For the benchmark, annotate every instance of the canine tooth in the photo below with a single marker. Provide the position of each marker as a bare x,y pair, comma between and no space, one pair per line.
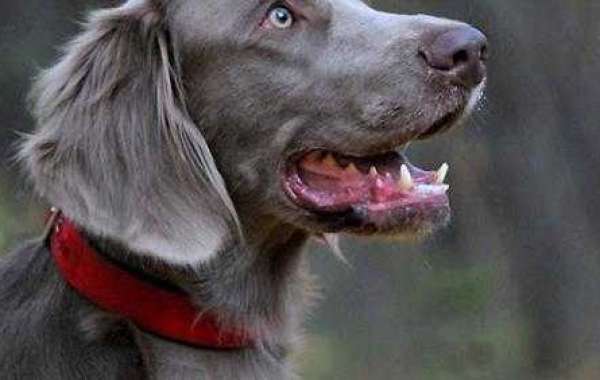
373,171
406,181
351,168
442,173
330,160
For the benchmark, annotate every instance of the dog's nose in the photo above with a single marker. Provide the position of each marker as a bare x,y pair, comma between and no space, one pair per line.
458,54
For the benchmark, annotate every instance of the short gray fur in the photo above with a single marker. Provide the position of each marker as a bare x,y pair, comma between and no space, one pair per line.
125,122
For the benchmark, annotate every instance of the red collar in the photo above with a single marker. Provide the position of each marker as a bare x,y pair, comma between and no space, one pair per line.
166,313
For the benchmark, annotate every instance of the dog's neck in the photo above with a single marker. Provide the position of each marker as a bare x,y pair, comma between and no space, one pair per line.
260,284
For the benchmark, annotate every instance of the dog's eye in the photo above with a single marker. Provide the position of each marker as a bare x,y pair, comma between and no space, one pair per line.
281,17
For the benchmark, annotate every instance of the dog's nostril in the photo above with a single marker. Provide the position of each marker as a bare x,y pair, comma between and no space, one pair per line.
484,53
458,53
462,56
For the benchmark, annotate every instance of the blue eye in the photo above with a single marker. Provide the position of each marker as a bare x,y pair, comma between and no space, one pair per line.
281,17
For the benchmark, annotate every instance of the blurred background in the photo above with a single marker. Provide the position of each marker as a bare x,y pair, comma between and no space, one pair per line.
511,290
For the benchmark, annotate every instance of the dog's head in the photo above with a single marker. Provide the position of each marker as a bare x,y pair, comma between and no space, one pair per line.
169,123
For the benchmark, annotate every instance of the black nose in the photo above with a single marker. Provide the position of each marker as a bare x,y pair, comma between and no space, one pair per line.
458,54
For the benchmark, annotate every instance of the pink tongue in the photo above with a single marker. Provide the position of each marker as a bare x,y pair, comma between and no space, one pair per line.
380,188
332,184
325,174
323,182
384,190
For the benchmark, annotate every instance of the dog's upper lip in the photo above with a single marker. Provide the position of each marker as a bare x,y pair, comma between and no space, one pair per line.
442,124
390,142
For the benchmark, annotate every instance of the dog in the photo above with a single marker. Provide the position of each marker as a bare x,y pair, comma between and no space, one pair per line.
190,149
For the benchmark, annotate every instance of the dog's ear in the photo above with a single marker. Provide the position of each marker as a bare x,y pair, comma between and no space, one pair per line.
115,148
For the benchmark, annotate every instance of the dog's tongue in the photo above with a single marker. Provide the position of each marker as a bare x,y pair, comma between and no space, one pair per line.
334,180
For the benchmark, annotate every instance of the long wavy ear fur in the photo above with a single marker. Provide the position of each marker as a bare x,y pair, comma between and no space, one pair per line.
115,148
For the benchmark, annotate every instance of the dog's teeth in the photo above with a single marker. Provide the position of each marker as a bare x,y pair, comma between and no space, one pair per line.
329,160
442,173
351,169
405,182
373,171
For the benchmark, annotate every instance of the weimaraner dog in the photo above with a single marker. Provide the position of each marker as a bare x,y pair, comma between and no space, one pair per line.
190,149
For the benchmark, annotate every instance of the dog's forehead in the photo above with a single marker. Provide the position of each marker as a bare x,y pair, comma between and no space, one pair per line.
245,4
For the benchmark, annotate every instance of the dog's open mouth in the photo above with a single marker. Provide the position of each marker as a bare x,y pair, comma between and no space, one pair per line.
386,190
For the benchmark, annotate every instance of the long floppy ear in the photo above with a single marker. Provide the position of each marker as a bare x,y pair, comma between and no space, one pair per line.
115,148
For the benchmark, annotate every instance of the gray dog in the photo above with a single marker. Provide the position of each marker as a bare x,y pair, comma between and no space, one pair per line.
192,148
